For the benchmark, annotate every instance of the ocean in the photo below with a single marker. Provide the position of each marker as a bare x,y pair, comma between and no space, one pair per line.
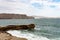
45,28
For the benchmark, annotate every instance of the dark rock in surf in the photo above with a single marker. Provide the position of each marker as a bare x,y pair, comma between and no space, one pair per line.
17,27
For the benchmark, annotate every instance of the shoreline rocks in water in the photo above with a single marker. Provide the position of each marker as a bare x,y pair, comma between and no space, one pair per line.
7,36
17,27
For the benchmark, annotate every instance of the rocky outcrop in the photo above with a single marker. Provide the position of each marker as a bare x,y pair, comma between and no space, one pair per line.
17,27
7,36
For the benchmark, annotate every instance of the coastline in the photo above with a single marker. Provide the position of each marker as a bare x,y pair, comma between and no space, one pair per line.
4,35
7,36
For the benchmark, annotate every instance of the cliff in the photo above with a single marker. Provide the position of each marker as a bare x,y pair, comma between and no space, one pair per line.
14,16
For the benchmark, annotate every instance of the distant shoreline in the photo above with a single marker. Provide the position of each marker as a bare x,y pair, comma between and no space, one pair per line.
15,16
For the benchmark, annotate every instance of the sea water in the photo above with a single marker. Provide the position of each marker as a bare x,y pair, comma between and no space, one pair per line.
45,28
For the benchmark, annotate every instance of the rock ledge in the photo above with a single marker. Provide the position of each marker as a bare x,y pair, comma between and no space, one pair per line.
7,36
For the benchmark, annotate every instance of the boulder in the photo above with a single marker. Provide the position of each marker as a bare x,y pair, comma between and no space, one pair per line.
31,26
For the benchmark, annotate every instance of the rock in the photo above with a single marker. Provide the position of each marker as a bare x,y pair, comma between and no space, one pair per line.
17,27
7,36
31,26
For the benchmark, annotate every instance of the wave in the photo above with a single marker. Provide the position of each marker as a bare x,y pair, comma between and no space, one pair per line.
27,35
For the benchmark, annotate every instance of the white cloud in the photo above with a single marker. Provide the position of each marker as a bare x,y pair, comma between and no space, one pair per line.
48,10
23,6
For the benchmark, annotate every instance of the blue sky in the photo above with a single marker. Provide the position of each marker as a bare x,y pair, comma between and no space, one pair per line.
47,8
55,0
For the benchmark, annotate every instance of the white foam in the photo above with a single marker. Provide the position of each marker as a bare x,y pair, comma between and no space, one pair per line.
28,35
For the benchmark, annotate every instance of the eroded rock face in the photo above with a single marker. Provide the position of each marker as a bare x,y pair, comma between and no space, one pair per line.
17,27
7,36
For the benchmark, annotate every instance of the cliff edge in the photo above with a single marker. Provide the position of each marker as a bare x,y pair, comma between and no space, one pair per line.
14,16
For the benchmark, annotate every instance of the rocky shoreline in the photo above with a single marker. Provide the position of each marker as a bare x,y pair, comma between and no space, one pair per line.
7,36
17,27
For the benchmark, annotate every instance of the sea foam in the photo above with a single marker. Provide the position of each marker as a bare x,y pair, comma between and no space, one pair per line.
27,35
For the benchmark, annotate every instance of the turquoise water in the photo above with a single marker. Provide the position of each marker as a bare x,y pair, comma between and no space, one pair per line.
46,29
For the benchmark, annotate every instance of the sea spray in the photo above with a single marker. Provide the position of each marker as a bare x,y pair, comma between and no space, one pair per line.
27,35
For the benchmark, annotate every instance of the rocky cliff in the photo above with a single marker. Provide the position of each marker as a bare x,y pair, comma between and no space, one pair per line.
14,16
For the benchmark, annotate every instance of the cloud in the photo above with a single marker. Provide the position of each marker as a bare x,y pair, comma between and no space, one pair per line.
47,8
52,6
9,0
25,1
37,5
3,8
